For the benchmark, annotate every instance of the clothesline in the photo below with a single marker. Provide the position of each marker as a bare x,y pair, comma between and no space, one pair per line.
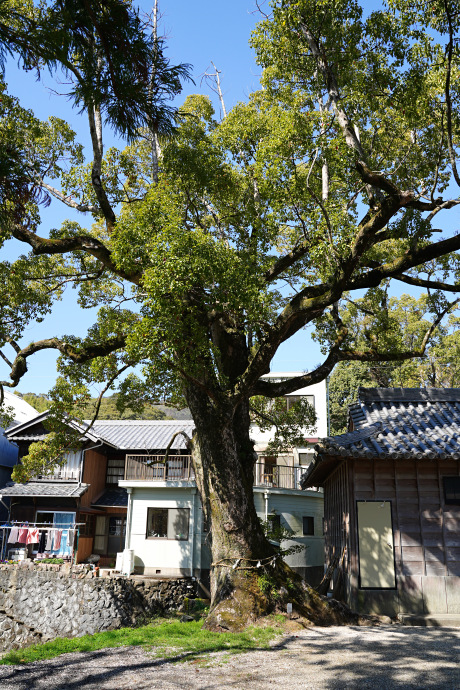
26,523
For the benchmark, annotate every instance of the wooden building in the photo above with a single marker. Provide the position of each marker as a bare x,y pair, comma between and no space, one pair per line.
84,490
392,502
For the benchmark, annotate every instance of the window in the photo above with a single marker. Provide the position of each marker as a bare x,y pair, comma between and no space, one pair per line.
168,523
292,399
115,471
308,525
451,490
86,529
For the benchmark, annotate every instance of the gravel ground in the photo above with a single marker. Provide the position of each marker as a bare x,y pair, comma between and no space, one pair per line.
385,657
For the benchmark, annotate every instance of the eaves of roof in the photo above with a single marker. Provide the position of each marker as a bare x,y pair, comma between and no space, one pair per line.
19,432
45,490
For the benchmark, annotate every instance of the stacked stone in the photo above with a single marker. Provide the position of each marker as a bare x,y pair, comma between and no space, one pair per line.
49,601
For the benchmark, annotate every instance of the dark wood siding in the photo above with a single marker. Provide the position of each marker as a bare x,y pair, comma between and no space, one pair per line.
94,471
336,520
426,531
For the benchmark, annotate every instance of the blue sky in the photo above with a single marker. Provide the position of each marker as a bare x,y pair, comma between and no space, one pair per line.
196,33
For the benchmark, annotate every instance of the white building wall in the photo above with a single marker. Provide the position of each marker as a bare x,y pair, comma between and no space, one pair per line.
166,557
292,507
170,557
319,392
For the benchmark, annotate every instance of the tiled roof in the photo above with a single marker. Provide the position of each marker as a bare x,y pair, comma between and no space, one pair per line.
117,498
401,423
43,489
146,435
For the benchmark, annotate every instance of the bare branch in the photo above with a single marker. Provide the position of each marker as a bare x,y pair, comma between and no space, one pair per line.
67,200
101,395
213,81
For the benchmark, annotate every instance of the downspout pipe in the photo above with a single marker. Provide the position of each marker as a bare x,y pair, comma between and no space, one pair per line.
129,515
266,497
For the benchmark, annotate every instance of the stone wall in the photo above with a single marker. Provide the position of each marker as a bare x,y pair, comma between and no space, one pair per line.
41,602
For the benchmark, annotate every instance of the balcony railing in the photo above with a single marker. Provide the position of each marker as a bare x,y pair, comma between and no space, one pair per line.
279,476
152,468
62,475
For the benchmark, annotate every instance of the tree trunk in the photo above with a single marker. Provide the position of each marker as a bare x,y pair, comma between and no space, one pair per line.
248,577
223,458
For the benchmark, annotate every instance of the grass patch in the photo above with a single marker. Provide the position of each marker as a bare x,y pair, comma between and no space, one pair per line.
169,638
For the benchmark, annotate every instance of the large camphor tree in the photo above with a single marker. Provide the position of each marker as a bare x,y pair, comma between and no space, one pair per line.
209,244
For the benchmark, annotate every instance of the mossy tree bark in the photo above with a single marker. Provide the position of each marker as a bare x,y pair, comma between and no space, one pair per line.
248,577
224,458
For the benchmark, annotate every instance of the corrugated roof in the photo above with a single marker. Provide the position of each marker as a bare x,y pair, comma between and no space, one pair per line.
146,435
401,423
43,489
33,430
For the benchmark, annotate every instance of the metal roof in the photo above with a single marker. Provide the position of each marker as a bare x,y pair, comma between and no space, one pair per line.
112,498
44,489
25,430
22,411
146,435
401,423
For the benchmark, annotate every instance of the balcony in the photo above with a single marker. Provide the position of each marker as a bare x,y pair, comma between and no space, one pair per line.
62,474
152,468
278,476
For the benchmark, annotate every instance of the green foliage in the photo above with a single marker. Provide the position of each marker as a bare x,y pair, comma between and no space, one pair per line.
268,585
209,249
165,638
289,421
108,408
402,323
115,62
279,533
40,402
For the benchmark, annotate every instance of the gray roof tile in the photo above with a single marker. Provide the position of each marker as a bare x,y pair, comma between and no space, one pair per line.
53,489
401,422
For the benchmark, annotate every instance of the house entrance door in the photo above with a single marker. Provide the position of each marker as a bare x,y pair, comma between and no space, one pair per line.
117,531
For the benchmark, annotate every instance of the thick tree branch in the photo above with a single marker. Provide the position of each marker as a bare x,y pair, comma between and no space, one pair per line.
402,263
333,92
433,284
286,261
95,128
86,243
78,354
271,390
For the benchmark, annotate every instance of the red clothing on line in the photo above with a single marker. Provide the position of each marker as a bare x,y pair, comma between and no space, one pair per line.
32,535
22,537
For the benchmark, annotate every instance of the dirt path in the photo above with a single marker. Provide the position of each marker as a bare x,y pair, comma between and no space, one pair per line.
387,657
